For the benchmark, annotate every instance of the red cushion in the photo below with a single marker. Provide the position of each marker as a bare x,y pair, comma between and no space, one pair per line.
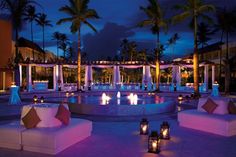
31,119
63,114
232,107
209,106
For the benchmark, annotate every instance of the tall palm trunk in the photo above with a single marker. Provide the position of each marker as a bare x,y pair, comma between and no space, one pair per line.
227,65
158,61
79,61
32,37
16,68
57,49
221,40
195,60
44,55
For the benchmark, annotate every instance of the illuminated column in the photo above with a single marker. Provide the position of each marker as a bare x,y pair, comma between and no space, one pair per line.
28,78
213,74
116,75
55,77
206,69
147,78
60,77
20,70
176,77
88,75
3,80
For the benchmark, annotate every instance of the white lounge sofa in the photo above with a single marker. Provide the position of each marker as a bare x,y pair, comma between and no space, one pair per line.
10,135
54,140
44,140
220,122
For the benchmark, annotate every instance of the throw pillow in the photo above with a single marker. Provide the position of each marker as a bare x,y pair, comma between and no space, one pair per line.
232,107
63,115
31,119
209,106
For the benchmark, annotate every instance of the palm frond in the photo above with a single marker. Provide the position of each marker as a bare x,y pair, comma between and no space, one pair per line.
180,17
206,8
90,25
145,23
69,19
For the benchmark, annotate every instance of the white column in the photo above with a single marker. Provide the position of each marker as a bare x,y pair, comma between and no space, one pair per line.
116,75
178,76
147,78
60,71
206,78
55,77
28,78
20,70
88,75
213,74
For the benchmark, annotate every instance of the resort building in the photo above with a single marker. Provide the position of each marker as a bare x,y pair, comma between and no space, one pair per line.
27,49
6,73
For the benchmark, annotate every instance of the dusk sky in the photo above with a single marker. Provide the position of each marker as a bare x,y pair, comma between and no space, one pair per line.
118,21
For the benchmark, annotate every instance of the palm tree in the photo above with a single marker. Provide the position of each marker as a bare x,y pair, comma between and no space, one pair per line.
193,9
226,23
63,47
203,34
43,22
79,13
31,16
57,36
172,41
17,9
156,21
63,43
124,48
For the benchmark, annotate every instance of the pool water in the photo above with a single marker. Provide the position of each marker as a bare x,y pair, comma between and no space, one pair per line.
123,100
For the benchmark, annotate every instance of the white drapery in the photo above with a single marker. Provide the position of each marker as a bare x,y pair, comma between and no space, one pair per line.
88,75
116,75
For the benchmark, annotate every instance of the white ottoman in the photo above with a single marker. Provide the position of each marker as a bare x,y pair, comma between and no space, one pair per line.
10,135
55,140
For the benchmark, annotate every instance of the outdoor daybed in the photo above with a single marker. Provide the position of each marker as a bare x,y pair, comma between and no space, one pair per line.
40,138
218,122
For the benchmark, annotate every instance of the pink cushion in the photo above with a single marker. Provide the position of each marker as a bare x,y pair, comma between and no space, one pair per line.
63,115
222,103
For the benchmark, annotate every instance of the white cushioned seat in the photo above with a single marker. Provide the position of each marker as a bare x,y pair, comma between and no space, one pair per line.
10,135
224,125
54,140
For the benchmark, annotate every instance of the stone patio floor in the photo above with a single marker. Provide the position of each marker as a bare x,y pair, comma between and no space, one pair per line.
119,137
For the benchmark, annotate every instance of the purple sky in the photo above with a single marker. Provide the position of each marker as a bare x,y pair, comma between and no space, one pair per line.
118,20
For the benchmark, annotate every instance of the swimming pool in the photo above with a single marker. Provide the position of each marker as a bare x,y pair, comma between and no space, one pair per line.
142,104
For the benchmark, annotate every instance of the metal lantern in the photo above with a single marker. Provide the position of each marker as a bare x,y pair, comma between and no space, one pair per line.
144,127
35,99
154,143
42,99
165,131
67,94
180,98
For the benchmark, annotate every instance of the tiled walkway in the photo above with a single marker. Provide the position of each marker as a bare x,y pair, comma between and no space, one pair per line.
119,137
122,139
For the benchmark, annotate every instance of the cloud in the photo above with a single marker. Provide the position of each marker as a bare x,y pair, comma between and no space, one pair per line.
106,42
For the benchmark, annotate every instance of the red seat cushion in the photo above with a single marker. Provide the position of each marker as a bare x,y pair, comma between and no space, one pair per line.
63,115
31,119
232,107
209,106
